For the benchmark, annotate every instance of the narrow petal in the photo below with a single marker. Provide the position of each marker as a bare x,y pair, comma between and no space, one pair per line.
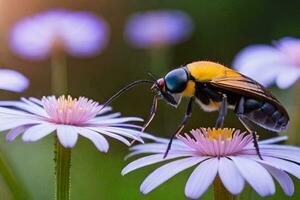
278,163
37,132
256,175
283,179
121,120
164,173
99,141
67,135
274,140
12,80
9,123
32,108
105,117
123,132
112,135
230,176
201,178
148,160
15,132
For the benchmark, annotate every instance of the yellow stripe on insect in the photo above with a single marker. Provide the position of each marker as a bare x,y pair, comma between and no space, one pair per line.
190,89
206,71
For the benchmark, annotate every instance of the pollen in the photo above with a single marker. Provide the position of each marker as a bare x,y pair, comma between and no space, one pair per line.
68,110
223,134
216,142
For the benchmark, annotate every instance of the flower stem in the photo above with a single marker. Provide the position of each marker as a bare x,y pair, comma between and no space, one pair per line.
59,77
10,179
62,171
293,132
220,192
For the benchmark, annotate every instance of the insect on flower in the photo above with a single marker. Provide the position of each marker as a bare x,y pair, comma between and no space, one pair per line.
216,87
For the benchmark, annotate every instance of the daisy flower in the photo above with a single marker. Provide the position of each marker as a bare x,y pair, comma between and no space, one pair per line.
68,117
279,63
12,80
225,154
80,34
158,28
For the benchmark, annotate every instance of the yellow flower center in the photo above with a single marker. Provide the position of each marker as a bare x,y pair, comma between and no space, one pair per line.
224,133
66,103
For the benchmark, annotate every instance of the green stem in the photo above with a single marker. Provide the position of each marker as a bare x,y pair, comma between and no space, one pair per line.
220,192
160,61
10,179
62,171
293,131
59,78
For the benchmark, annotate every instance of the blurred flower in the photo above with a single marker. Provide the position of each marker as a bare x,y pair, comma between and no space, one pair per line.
78,33
225,153
158,28
68,117
266,64
13,81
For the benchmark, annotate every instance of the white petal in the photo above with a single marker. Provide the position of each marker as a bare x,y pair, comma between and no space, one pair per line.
274,140
99,141
13,80
120,120
283,179
230,176
112,135
104,117
11,122
256,175
67,135
164,173
148,160
278,163
32,108
15,132
37,132
123,132
201,178
288,77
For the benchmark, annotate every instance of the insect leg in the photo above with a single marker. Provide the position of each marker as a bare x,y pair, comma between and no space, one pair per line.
187,116
247,125
152,113
222,112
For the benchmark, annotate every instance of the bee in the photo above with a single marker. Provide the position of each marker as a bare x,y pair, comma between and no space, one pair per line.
215,87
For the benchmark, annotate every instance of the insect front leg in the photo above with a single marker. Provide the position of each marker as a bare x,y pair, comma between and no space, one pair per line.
187,116
152,113
222,112
240,113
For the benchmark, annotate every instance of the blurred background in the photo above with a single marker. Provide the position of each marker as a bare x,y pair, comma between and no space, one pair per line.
211,30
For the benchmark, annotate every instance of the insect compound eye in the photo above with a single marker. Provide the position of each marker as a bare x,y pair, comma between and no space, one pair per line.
176,80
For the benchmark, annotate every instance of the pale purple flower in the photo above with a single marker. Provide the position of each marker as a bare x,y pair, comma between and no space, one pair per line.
13,81
67,117
78,33
268,64
225,153
158,28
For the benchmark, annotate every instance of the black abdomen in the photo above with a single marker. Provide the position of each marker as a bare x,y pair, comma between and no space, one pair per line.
265,114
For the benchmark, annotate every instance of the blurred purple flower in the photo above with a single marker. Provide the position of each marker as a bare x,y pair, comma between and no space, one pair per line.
78,33
225,153
13,81
158,28
267,64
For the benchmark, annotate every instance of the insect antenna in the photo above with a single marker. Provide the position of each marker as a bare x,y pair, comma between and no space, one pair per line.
124,89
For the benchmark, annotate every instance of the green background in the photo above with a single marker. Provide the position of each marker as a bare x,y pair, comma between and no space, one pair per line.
222,29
